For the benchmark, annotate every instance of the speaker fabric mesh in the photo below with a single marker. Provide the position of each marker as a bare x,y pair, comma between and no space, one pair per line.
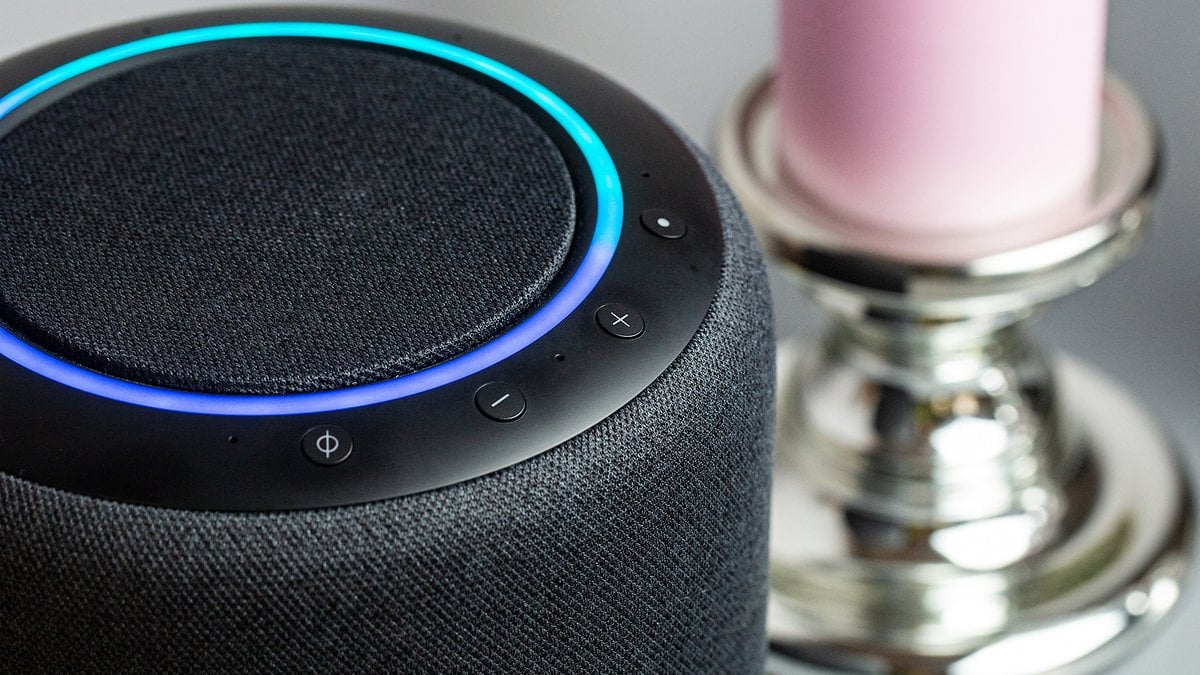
277,217
638,546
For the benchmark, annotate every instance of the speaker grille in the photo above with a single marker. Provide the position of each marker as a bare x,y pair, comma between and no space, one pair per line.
638,546
274,217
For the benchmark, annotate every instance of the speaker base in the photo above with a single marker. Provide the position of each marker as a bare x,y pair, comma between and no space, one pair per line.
1092,568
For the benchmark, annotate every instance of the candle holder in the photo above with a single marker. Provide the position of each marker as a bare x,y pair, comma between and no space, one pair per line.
947,498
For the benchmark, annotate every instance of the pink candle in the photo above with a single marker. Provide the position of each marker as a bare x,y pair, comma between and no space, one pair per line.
940,117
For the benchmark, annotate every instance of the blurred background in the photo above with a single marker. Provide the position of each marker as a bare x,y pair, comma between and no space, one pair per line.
689,57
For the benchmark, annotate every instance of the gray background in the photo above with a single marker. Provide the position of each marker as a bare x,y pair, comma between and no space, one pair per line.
688,57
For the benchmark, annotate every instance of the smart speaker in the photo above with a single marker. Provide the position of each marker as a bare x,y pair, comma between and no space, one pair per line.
347,341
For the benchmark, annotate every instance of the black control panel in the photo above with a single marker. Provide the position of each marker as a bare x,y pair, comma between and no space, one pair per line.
629,328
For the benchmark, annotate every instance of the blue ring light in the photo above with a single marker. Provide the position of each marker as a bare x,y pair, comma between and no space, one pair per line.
610,210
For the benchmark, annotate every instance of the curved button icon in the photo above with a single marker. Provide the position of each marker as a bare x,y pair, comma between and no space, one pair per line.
326,445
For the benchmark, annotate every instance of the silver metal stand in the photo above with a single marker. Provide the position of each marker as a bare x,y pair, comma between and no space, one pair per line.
946,498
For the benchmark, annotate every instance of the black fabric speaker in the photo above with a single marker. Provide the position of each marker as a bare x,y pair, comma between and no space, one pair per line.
353,342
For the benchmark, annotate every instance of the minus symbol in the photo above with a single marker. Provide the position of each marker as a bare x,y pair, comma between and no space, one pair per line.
500,400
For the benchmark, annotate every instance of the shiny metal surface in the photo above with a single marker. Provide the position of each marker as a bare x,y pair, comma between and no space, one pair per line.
1060,570
947,499
1100,230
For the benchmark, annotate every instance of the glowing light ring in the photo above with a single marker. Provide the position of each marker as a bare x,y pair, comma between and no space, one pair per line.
600,252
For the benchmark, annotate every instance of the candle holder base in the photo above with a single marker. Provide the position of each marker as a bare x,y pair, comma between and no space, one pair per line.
1067,580
946,498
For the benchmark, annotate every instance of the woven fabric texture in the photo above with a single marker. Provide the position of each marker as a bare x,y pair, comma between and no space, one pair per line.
277,217
637,547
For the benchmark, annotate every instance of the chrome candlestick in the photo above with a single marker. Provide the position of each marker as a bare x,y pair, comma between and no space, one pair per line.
947,498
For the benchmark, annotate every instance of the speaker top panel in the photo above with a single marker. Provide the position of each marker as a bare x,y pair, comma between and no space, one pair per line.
280,259
270,216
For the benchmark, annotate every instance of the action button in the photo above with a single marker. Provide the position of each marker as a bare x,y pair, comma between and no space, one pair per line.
326,445
620,320
500,401
664,223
